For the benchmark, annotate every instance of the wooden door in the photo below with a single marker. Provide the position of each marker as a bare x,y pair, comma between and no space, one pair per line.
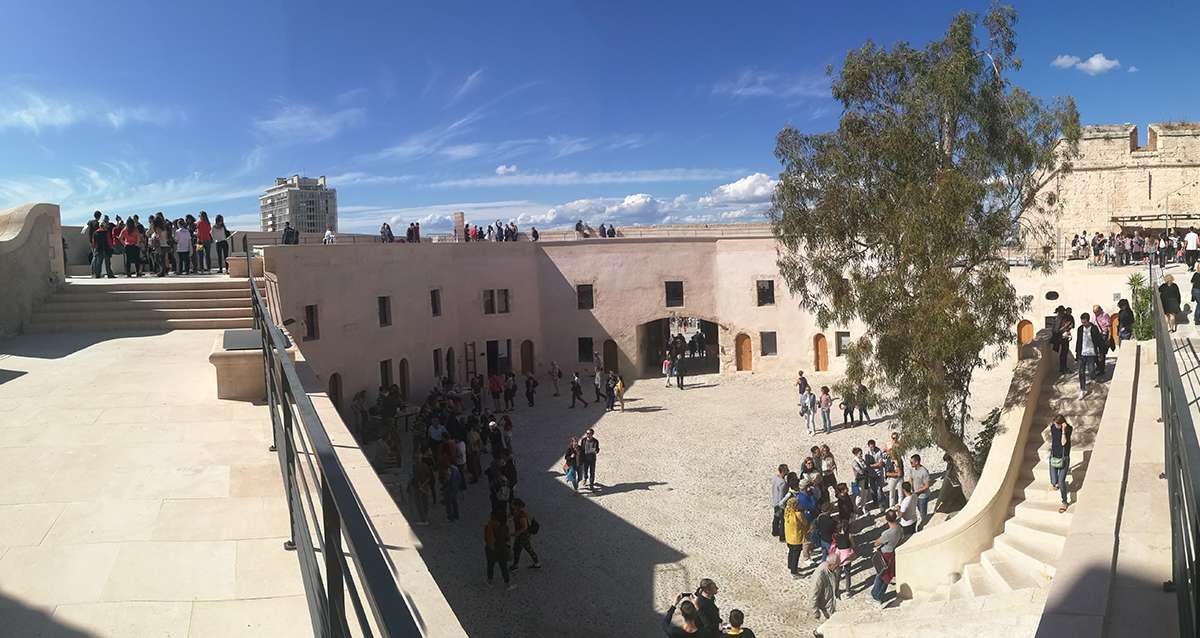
820,353
610,355
526,356
1024,332
335,390
745,353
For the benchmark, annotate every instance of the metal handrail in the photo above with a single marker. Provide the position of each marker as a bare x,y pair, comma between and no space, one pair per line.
1182,461
341,513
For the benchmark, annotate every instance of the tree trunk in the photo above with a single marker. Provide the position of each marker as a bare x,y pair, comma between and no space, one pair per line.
945,437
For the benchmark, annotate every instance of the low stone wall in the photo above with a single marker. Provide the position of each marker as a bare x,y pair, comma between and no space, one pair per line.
31,261
931,557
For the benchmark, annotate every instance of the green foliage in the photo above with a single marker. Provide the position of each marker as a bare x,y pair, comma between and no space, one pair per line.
983,440
1142,307
898,218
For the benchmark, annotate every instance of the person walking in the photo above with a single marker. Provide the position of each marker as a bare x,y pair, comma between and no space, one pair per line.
495,544
524,527
555,375
1191,247
510,391
862,401
887,542
1089,344
577,391
825,403
1196,295
802,384
919,476
530,386
590,448
1064,323
1060,457
1168,293
571,464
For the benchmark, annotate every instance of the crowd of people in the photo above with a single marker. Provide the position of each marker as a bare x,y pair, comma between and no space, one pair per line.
1138,247
160,246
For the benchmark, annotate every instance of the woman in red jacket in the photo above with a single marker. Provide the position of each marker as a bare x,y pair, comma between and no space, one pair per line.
204,240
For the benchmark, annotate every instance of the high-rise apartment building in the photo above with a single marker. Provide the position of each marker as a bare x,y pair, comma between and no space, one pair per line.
307,203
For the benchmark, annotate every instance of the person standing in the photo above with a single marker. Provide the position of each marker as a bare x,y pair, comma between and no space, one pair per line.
451,489
825,590
610,386
555,375
290,235
1168,293
131,238
204,241
577,391
802,383
530,386
1064,323
620,389
808,410
329,238
792,527
679,370
1089,345
183,248
474,450
778,492
893,475
1103,321
495,387
571,464
220,236
589,448
666,369
495,543
102,249
907,510
422,487
598,382
919,476
825,403
524,526
1191,247
1060,457
887,542
862,400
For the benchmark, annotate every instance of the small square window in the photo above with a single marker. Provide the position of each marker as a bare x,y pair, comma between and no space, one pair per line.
385,311
841,343
437,363
674,294
385,373
767,341
585,350
585,296
489,302
435,302
312,331
766,292
502,300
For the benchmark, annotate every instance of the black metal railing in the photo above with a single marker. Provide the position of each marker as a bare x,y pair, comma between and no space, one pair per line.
1182,466
324,507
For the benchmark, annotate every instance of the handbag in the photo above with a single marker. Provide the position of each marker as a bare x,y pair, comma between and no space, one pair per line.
878,561
1056,462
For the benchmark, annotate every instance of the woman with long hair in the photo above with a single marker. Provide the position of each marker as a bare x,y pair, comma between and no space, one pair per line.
220,236
571,463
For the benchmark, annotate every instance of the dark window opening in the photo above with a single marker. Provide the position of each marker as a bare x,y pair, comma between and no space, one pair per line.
585,296
312,331
437,363
767,339
435,302
385,373
766,292
502,300
385,311
489,302
841,343
585,350
674,294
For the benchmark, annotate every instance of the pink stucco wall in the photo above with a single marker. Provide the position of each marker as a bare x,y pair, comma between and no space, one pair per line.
344,281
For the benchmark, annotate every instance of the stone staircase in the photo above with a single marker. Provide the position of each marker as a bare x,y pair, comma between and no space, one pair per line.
1010,578
146,303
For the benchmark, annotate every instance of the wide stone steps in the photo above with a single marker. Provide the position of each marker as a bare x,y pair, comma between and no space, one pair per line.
146,303
973,616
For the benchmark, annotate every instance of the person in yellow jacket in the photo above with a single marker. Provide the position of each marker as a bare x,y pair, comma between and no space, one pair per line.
620,388
795,534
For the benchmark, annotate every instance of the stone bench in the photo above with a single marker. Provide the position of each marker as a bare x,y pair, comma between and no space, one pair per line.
237,357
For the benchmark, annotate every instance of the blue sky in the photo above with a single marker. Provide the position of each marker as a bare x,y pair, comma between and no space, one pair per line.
633,112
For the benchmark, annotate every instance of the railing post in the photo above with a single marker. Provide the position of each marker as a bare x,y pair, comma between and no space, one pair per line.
333,562
289,454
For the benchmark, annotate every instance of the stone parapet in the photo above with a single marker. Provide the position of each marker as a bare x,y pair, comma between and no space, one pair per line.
31,261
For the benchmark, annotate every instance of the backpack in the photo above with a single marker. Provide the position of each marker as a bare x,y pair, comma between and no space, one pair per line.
534,526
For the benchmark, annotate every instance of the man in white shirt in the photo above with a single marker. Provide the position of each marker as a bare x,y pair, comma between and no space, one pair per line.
907,510
183,248
1191,247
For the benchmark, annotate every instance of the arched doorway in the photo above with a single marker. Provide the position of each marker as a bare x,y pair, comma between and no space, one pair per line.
820,353
526,357
610,355
402,374
335,390
450,372
1024,332
745,352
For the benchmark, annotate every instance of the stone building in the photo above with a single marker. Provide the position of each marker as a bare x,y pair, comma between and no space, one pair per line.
307,203
1115,175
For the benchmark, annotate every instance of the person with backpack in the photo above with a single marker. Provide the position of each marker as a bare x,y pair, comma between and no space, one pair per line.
495,546
290,235
524,526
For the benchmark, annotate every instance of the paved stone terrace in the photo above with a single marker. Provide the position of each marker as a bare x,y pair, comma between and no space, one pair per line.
132,502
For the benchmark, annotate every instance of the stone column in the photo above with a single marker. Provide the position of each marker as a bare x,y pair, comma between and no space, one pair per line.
459,223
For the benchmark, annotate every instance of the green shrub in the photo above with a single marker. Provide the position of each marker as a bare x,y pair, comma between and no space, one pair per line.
1142,306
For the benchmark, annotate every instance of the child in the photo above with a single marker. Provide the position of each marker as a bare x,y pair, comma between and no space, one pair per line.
736,618
666,369
843,548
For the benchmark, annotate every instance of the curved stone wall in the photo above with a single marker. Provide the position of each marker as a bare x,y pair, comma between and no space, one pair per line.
31,261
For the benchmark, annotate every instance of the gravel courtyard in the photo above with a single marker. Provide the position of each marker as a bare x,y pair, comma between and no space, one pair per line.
685,495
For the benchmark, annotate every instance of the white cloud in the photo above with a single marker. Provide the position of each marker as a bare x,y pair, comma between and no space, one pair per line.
752,189
427,142
1094,65
470,84
1134,69
562,145
32,111
1065,61
506,169
303,123
358,177
463,151
575,178
753,83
